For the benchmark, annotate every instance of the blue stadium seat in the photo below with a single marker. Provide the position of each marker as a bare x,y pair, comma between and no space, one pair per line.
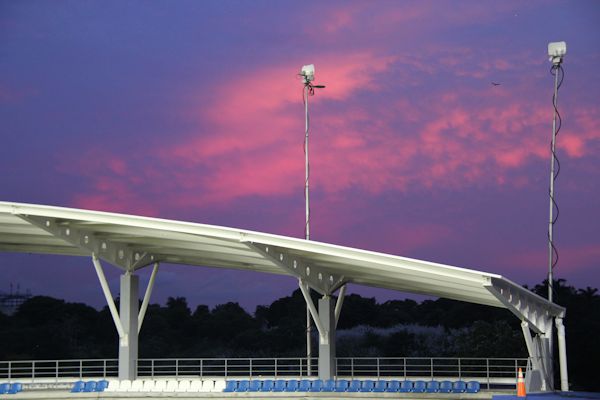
316,386
355,386
445,387
367,386
4,388
101,385
473,387
253,386
459,387
432,387
90,386
380,386
231,386
328,385
419,387
393,386
305,385
77,387
243,385
406,386
280,385
15,388
341,385
292,386
267,385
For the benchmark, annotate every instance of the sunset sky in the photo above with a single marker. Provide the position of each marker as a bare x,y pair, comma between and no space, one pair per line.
192,110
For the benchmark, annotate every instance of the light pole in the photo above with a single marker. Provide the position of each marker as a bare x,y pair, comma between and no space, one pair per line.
556,51
308,75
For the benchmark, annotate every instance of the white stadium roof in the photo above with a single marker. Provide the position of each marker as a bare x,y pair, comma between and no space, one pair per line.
132,242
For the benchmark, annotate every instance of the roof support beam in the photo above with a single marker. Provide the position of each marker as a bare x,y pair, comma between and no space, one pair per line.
313,310
317,278
108,296
118,254
339,303
325,321
147,295
526,305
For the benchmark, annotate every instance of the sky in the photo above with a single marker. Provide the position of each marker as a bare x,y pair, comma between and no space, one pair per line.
192,110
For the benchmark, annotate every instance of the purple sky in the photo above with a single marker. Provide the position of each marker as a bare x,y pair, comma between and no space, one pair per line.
193,110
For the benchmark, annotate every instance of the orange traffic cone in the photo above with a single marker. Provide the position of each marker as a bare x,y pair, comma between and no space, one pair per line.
521,385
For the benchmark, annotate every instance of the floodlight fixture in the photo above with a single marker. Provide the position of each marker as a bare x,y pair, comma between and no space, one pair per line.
556,51
308,73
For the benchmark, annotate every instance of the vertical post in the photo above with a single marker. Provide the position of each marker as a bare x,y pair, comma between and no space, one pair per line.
327,367
551,219
562,355
307,225
128,344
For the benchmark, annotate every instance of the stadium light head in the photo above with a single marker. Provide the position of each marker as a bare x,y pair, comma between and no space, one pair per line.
308,73
556,51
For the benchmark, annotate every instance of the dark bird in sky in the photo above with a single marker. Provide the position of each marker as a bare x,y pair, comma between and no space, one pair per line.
495,84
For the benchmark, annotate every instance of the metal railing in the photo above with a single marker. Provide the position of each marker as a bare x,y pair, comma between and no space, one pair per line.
486,370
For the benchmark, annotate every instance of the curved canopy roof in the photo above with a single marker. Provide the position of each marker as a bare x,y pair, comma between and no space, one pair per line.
132,242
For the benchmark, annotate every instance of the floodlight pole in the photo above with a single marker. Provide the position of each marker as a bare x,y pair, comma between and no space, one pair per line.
556,62
307,223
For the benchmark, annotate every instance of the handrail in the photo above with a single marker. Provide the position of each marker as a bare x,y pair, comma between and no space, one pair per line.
488,371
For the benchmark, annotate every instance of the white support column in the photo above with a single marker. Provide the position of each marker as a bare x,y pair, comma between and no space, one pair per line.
128,344
541,343
327,367
325,321
562,355
147,295
534,380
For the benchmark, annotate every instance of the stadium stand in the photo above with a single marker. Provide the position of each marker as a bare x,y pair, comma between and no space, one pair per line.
419,387
90,386
406,387
367,385
267,385
218,386
279,386
253,386
101,385
292,386
231,386
340,386
15,388
473,387
432,387
380,386
393,386
77,387
459,387
354,386
316,386
445,387
305,385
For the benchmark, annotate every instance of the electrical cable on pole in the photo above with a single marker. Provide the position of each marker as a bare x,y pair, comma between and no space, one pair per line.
556,51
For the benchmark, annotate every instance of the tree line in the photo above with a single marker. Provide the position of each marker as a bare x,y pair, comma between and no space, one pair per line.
49,328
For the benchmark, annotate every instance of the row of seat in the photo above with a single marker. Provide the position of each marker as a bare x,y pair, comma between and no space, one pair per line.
10,388
343,385
166,385
89,386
